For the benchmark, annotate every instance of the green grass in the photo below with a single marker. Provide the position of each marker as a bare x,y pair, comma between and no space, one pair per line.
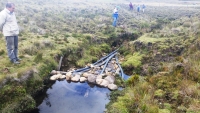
146,38
133,60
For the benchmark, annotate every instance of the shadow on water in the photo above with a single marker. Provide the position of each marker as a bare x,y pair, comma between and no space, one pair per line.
71,97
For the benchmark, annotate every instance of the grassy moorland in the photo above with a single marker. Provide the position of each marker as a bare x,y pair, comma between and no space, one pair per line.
160,49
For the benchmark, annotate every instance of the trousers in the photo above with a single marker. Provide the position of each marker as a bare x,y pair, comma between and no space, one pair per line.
12,47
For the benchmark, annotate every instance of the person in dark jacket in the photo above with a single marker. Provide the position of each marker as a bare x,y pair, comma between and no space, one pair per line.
131,6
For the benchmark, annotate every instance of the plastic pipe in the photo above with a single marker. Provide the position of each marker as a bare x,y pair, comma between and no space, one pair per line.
107,60
121,70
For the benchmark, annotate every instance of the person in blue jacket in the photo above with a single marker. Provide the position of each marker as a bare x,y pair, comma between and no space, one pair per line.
143,7
138,9
115,16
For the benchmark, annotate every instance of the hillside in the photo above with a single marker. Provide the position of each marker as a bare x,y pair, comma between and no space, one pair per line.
160,49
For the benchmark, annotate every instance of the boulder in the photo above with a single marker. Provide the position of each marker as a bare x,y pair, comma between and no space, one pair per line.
112,87
104,83
53,72
110,79
62,76
68,75
99,77
86,74
92,78
83,79
76,78
55,77
99,81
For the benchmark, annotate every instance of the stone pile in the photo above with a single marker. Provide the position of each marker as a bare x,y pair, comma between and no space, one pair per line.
101,73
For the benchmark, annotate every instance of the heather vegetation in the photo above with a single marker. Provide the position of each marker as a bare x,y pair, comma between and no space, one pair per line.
158,48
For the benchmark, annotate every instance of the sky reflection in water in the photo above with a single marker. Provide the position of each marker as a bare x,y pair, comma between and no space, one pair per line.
66,97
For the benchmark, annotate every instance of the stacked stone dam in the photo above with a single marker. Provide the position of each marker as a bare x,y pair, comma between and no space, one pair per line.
102,73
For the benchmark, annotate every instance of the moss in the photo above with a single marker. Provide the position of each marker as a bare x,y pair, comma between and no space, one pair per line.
152,109
146,39
38,57
105,47
132,80
119,81
175,94
85,59
7,96
28,71
95,51
159,93
25,103
133,60
167,106
164,111
45,69
2,52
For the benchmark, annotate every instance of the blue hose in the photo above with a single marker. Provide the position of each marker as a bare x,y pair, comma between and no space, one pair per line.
105,57
122,73
107,60
86,68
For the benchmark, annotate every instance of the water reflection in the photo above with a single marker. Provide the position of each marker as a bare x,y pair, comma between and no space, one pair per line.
66,97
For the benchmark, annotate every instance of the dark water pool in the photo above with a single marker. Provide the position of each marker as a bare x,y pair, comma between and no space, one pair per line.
65,97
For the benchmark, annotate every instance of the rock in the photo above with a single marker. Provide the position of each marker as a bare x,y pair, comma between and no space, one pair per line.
104,83
112,87
110,79
108,73
68,75
91,65
113,62
99,77
117,71
103,75
76,78
58,72
115,66
62,76
83,79
55,77
86,74
92,78
108,69
96,72
53,72
99,81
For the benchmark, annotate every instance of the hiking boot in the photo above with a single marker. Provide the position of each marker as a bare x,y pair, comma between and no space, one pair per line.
18,59
16,62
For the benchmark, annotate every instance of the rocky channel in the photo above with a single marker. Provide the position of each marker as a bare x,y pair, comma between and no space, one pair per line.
102,73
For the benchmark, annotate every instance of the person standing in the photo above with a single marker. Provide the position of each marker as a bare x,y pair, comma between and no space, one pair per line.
138,9
115,16
9,26
143,7
131,6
